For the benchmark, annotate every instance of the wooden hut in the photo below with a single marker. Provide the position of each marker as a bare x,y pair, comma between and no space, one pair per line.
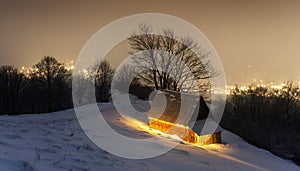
179,116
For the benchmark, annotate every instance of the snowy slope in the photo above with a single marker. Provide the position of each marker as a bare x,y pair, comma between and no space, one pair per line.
55,141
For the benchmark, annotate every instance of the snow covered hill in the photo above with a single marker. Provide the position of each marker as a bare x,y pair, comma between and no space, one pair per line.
55,141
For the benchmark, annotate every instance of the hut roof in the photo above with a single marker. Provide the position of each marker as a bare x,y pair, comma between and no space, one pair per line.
210,127
181,108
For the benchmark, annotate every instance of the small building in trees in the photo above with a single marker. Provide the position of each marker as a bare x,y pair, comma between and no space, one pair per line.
182,117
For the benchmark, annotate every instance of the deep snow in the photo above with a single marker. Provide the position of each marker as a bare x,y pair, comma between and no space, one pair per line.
55,141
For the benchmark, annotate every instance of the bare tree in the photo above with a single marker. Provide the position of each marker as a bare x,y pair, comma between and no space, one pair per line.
10,86
178,64
290,100
103,77
52,78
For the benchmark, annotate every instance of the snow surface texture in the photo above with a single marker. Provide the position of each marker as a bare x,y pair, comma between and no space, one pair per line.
55,141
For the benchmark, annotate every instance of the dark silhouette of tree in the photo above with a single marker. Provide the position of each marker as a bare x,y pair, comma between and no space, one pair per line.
173,64
10,87
35,95
46,88
103,78
290,103
53,79
266,117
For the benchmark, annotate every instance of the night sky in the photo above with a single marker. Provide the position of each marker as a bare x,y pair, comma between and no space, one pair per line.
254,39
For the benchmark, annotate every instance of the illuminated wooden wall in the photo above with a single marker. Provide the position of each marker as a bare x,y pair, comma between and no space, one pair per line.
184,132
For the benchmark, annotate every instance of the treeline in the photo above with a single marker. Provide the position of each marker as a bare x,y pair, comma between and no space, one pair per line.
46,87
267,118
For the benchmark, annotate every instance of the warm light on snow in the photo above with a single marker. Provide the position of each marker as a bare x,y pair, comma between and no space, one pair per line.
145,127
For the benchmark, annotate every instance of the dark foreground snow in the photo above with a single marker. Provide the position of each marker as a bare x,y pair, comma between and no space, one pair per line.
55,141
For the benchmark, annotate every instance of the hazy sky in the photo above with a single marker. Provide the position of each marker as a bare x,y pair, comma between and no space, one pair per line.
255,39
